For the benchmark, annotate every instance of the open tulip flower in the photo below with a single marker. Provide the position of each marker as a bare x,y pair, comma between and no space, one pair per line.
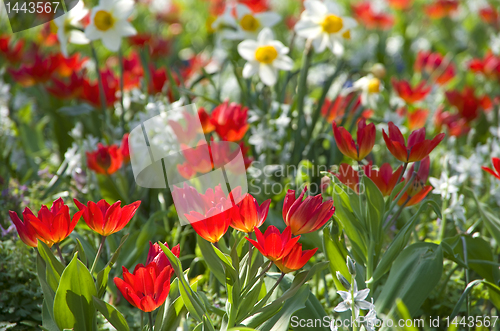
212,225
105,219
418,147
384,178
51,226
308,215
408,93
295,260
147,287
273,244
418,190
105,160
248,215
365,140
496,165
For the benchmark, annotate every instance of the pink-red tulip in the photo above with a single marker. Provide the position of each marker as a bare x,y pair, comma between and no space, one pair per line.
365,140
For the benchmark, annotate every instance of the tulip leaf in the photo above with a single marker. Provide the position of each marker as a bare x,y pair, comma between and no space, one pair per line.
415,273
112,315
192,302
397,245
376,210
73,304
491,222
212,260
313,310
81,252
48,292
48,317
336,253
54,268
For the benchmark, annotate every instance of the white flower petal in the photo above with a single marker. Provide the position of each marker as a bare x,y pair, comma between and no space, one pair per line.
123,9
280,48
125,29
320,43
333,8
268,74
283,62
268,19
337,47
251,68
344,295
111,41
78,37
315,8
365,305
349,23
242,10
91,32
343,306
247,49
265,36
308,29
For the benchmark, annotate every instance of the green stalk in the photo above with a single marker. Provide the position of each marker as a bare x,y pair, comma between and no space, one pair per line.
353,307
122,83
302,90
102,94
403,191
150,315
59,252
99,251
442,228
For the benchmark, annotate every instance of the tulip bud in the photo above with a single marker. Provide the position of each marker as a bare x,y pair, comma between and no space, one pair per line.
325,182
351,266
343,281
378,70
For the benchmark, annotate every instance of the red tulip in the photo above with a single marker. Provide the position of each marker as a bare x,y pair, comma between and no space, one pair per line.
308,215
132,71
105,219
158,80
10,51
496,165
105,160
124,148
489,14
441,8
418,190
408,93
212,224
25,229
456,125
157,255
256,6
364,12
418,147
39,71
399,4
91,93
66,89
365,140
69,65
230,121
488,66
206,123
295,260
433,63
247,214
335,110
273,244
147,288
384,178
51,226
467,103
348,176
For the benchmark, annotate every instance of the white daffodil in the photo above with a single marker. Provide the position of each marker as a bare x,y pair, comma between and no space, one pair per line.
67,27
265,56
325,25
108,22
249,23
225,22
370,87
354,297
444,185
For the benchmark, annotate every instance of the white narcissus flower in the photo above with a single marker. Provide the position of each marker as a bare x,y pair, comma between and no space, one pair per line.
65,26
325,25
108,22
370,87
224,21
249,23
265,56
354,297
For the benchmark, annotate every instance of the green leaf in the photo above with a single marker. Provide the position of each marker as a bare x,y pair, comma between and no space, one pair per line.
466,292
112,315
78,110
415,273
212,260
313,310
336,253
102,276
73,304
491,222
376,210
81,251
54,268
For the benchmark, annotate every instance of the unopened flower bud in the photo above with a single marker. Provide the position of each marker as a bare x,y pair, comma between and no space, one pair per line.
378,70
325,182
350,266
343,281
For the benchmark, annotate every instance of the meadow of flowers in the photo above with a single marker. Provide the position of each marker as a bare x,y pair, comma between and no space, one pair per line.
367,134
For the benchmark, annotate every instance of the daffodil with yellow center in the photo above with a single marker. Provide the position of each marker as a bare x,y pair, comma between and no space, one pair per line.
67,27
266,54
108,22
249,23
332,24
370,88
374,85
103,20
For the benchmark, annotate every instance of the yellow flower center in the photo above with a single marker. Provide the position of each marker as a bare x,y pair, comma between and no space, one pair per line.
103,20
347,34
249,23
266,54
332,24
374,85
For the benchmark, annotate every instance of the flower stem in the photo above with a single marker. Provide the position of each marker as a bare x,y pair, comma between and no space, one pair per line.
403,191
395,217
402,173
102,95
353,306
150,315
122,83
59,252
99,251
249,261
442,228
